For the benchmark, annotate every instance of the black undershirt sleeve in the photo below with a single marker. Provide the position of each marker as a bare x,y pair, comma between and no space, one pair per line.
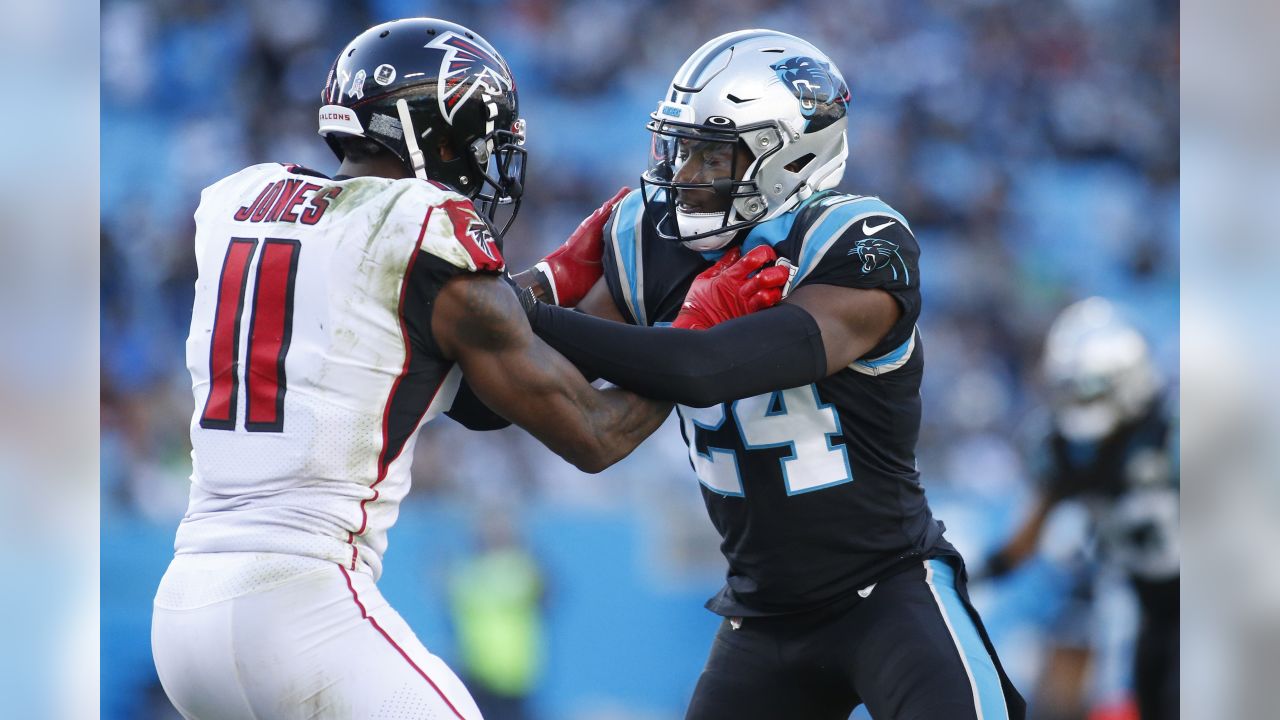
471,412
429,275
770,350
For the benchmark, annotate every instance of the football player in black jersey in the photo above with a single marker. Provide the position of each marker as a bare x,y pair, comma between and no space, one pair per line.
1113,444
801,420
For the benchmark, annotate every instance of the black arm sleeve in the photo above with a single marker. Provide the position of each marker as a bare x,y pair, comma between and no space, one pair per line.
472,413
770,350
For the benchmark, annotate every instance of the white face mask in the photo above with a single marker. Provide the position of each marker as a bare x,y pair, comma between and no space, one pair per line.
695,223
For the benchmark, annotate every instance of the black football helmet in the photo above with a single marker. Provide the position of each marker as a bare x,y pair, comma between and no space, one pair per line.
409,83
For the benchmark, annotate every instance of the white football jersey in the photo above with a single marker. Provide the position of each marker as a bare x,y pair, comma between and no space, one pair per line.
311,360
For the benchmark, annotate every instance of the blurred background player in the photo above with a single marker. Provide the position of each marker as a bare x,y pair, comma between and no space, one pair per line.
801,420
497,597
362,299
1112,445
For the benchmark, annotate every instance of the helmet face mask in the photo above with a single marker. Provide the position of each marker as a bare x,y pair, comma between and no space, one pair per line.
418,85
697,172
498,159
778,102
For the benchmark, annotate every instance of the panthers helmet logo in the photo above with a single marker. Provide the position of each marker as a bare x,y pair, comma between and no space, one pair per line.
812,82
874,253
466,69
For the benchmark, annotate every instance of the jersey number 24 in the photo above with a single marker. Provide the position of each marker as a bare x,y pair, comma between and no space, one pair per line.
794,418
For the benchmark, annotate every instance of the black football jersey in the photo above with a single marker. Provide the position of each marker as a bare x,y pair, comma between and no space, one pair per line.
1129,480
813,489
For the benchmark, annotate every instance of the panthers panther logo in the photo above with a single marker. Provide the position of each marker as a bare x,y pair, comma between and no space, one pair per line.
874,253
812,82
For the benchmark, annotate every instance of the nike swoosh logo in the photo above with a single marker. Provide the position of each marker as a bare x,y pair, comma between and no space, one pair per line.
870,229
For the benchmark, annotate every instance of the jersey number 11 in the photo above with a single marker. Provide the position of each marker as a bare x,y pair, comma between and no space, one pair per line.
270,327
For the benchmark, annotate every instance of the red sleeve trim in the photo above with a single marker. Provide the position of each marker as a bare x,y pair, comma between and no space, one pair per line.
472,233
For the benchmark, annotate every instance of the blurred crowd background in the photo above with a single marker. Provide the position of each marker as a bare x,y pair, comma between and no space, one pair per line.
1033,146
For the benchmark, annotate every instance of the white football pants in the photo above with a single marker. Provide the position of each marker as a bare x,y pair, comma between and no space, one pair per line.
263,636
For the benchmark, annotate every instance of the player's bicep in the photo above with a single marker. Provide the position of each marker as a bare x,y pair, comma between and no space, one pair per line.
852,321
863,279
479,324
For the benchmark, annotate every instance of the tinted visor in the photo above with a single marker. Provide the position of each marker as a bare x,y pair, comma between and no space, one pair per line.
688,157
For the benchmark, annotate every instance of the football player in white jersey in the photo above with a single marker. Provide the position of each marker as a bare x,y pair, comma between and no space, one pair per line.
333,318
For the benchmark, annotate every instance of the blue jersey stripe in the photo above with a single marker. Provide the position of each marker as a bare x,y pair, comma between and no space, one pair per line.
829,228
770,233
626,223
982,671
895,355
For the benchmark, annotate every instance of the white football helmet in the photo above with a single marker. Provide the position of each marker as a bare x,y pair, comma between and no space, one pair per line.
777,109
1099,371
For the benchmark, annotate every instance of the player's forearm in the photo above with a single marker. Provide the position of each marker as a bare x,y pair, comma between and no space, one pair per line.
774,349
621,421
1027,538
592,429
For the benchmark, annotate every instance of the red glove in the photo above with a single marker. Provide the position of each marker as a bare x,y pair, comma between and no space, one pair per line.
574,267
724,292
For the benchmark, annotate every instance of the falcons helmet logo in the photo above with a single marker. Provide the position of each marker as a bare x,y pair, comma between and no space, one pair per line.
466,69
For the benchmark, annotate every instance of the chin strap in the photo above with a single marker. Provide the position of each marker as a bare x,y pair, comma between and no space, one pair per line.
411,140
697,223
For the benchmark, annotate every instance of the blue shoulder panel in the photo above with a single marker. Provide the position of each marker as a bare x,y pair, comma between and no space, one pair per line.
833,222
770,232
627,245
778,229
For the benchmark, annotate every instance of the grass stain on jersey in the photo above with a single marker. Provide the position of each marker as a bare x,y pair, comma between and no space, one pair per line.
387,273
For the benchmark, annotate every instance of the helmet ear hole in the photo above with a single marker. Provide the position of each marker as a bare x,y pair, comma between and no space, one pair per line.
445,150
799,163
